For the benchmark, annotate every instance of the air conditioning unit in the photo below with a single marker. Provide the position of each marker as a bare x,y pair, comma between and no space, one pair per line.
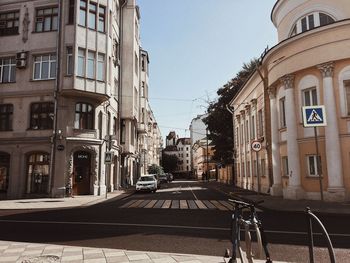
21,55
21,63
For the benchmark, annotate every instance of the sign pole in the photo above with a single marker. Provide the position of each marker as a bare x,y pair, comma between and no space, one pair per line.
319,168
257,172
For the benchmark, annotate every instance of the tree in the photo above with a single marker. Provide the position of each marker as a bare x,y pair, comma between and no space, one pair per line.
155,169
169,162
219,119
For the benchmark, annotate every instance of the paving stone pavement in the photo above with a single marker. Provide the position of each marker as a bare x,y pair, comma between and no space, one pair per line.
20,252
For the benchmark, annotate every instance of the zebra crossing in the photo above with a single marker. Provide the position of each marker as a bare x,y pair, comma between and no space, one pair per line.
179,204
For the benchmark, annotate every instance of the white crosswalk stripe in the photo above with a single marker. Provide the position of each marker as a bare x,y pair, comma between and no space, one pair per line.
181,204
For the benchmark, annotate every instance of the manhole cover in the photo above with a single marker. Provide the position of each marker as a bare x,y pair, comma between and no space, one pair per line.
40,259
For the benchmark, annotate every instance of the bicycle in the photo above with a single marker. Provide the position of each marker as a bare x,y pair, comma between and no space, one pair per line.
237,222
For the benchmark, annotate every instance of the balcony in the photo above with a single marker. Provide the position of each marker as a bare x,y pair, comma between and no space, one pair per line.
141,128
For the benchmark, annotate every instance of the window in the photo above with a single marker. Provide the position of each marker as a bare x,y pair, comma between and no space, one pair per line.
7,70
142,89
84,116
101,67
82,13
261,125
69,60
136,65
46,19
312,165
325,19
248,169
9,23
115,127
252,128
123,132
347,91
108,124
91,65
285,169
71,11
41,116
283,112
38,173
246,131
6,117
45,67
101,18
92,15
311,21
310,97
81,62
4,171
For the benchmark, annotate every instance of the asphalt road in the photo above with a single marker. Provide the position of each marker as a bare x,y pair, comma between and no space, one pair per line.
128,224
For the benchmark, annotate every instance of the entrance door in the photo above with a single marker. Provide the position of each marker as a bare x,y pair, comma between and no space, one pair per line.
81,173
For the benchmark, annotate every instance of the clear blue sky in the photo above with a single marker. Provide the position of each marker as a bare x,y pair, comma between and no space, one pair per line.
195,47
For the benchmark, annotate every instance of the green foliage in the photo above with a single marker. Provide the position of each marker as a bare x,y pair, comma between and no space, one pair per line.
169,162
155,169
219,119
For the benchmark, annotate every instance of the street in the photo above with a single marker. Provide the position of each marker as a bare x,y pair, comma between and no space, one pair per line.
181,217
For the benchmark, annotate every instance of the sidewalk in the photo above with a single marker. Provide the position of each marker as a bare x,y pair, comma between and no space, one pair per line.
66,202
277,203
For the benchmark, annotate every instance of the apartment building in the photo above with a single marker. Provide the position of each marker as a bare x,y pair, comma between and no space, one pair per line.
66,126
184,155
309,66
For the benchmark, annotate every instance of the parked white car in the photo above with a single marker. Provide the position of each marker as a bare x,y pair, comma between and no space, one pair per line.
147,183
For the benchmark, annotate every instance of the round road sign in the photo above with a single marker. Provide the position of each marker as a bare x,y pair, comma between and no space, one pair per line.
256,146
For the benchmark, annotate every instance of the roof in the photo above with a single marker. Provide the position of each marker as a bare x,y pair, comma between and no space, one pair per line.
184,141
171,135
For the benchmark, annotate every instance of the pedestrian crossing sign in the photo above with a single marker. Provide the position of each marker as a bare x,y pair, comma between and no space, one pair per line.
314,116
108,157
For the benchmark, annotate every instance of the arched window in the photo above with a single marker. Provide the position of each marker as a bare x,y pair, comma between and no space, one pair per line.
38,173
310,21
84,116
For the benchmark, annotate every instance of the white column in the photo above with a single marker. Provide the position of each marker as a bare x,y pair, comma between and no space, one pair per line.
336,191
294,190
276,189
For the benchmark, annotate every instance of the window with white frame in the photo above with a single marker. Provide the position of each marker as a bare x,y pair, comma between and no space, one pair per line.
311,21
347,94
101,18
91,64
46,19
246,131
285,169
310,96
44,67
7,70
70,67
81,62
283,112
313,168
101,67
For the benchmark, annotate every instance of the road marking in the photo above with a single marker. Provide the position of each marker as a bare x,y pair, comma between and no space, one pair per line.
128,204
137,203
175,204
218,205
159,204
226,204
200,204
183,204
151,204
209,205
192,204
193,193
166,204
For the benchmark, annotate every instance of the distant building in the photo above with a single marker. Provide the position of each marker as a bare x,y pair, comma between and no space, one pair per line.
184,155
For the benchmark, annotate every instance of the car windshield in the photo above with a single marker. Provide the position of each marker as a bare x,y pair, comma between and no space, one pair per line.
146,178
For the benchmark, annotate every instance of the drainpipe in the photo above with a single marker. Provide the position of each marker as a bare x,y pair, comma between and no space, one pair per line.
231,110
56,97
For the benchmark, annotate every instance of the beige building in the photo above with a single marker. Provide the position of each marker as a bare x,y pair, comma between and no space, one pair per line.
309,66
69,77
